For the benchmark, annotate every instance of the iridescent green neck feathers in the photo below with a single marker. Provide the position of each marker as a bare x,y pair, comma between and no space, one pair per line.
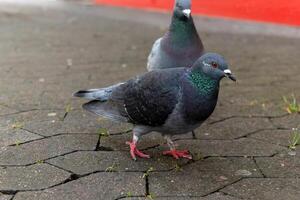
205,84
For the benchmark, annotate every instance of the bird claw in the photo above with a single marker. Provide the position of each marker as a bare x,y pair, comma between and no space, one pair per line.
178,154
134,151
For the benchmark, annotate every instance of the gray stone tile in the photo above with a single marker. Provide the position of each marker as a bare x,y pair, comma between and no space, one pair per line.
5,197
30,116
280,137
32,177
280,166
215,196
200,178
95,186
117,142
87,162
246,102
289,121
4,110
11,136
267,189
46,148
240,147
232,128
218,196
78,121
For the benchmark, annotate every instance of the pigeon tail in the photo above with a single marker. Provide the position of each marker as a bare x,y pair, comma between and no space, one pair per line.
101,94
105,109
93,94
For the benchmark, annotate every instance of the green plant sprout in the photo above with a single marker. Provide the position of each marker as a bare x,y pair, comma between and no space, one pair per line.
68,109
17,125
291,104
111,168
198,156
177,168
17,143
295,139
147,173
103,132
39,162
150,196
129,194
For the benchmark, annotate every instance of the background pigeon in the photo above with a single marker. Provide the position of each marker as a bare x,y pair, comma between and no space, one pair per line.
181,45
170,101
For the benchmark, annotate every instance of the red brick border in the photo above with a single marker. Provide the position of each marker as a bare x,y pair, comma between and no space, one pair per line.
275,11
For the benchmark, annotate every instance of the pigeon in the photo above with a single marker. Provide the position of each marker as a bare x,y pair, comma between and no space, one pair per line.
181,46
169,101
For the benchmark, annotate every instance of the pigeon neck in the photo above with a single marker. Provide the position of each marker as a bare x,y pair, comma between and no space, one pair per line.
200,96
204,84
182,32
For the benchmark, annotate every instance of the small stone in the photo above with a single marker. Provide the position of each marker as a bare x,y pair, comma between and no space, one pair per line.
292,153
42,80
69,62
51,114
124,65
281,155
243,172
223,178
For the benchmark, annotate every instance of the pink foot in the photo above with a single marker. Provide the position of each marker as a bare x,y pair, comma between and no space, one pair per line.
134,151
178,154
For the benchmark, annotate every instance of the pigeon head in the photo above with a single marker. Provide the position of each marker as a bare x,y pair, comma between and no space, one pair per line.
182,9
213,66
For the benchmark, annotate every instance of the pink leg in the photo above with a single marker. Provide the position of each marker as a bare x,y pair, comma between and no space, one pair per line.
176,153
133,149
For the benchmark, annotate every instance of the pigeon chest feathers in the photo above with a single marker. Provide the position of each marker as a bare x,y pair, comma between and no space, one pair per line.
200,97
182,42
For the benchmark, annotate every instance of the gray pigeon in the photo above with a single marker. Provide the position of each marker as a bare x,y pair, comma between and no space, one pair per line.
181,45
170,101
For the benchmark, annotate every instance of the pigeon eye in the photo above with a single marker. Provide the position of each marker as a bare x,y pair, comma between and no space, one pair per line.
214,64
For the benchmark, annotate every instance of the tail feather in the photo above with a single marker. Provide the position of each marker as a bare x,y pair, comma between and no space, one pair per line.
105,102
101,94
93,94
105,109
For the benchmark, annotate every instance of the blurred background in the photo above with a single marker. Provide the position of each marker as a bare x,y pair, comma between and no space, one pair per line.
274,11
52,149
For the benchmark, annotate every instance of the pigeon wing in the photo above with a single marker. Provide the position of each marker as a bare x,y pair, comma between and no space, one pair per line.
151,98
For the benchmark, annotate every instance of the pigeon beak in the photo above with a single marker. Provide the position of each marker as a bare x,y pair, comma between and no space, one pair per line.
187,12
229,75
